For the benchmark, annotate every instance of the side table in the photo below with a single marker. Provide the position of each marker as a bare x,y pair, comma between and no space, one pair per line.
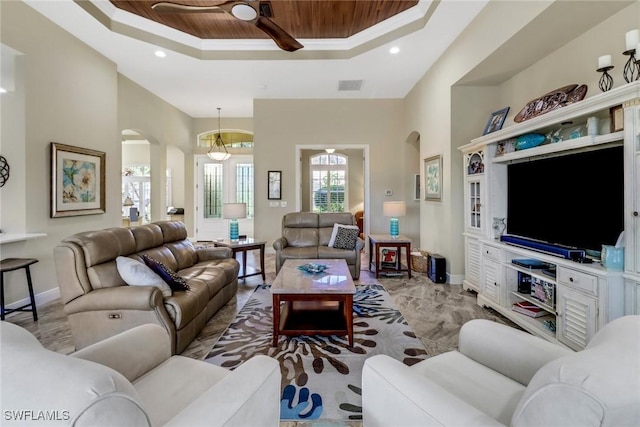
377,241
243,246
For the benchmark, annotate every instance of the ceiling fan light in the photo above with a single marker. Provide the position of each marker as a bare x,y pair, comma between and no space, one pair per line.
244,12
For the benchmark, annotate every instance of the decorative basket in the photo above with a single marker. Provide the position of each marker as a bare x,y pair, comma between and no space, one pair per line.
419,261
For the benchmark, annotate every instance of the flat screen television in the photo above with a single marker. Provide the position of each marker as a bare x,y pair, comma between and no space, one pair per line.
574,200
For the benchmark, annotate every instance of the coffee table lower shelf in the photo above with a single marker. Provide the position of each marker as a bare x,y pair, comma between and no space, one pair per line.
313,315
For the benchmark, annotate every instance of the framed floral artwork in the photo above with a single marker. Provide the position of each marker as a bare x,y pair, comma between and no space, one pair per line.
77,181
433,178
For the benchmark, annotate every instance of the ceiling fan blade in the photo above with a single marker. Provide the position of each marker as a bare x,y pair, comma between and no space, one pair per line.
283,39
166,7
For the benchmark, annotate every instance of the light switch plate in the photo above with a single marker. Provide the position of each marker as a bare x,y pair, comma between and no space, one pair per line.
283,204
274,204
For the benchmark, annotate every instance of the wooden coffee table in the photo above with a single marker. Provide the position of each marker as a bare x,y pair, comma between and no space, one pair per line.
313,304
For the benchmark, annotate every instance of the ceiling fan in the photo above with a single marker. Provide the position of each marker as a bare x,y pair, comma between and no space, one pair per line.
244,11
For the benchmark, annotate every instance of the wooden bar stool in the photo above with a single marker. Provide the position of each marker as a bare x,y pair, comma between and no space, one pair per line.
11,264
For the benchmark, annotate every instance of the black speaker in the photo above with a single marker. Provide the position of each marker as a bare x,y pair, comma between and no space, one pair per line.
437,268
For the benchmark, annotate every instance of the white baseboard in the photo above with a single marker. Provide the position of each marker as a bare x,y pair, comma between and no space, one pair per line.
41,298
455,279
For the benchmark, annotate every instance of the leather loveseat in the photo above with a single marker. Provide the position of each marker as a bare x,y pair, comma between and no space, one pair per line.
131,379
100,304
306,235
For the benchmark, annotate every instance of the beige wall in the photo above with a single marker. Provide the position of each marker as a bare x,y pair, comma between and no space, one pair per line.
73,95
163,126
505,39
281,125
70,97
355,178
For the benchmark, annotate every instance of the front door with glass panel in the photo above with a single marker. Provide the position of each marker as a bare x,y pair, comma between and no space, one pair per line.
230,181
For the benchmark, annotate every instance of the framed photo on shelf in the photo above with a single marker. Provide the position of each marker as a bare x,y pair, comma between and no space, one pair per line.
433,178
389,258
77,181
274,191
617,118
496,120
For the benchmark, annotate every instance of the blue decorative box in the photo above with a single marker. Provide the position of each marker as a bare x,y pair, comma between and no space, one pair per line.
529,140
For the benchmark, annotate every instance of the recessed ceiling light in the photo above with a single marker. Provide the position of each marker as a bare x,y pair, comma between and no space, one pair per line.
394,50
160,54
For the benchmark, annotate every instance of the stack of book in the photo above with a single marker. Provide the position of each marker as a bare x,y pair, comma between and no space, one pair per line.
529,309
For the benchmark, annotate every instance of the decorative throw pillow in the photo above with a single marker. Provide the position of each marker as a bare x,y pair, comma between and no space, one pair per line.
135,273
346,238
176,282
334,234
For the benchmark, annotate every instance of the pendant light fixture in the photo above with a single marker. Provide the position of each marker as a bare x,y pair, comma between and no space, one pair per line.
218,151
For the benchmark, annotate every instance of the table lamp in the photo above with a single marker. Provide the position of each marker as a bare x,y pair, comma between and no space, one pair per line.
234,211
394,210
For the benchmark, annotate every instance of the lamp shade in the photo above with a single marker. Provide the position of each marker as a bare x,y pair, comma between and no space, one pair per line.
234,210
394,209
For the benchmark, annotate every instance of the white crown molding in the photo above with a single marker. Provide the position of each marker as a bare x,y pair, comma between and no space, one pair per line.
132,25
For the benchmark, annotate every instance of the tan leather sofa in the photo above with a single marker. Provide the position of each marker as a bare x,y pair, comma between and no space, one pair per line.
306,235
99,303
131,379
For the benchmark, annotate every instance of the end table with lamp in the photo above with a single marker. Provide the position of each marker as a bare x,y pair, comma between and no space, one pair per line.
244,245
379,241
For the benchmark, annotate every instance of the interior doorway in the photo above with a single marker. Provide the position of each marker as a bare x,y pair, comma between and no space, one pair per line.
356,195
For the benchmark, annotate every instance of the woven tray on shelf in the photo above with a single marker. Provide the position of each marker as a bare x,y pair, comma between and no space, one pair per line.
419,260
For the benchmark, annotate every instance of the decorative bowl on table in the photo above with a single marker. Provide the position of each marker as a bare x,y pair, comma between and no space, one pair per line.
313,268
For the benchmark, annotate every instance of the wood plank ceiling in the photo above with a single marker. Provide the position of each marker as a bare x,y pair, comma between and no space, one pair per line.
303,19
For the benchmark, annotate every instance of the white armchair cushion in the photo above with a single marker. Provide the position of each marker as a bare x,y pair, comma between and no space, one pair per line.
509,351
393,394
82,392
172,386
479,386
598,386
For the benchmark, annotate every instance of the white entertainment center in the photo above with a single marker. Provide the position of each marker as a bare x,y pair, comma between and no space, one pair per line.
581,297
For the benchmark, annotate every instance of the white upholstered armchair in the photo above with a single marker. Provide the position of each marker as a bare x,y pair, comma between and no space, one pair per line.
502,376
135,382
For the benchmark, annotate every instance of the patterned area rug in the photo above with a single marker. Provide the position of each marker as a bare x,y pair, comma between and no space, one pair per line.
321,376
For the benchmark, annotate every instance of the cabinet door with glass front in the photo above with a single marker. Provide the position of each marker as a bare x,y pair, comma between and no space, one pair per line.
474,172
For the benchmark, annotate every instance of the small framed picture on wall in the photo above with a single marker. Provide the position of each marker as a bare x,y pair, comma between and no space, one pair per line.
433,178
274,181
